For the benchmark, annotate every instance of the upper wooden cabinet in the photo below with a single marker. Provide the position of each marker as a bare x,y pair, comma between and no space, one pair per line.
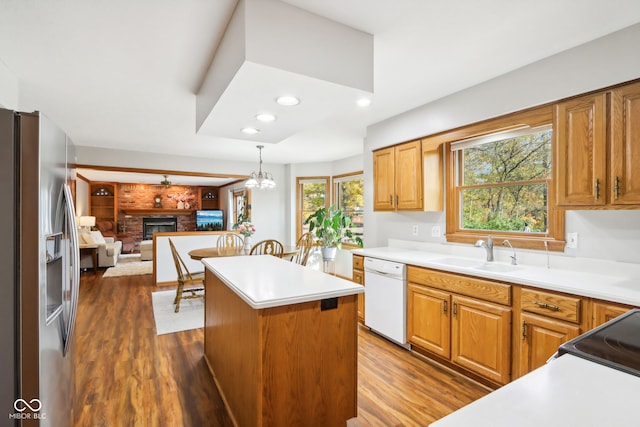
104,201
580,151
583,131
397,177
209,198
625,145
408,177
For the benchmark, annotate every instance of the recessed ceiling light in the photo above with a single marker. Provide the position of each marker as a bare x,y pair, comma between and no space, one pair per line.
287,100
265,117
250,131
364,102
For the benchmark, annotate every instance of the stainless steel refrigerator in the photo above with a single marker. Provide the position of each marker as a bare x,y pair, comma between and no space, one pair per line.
39,272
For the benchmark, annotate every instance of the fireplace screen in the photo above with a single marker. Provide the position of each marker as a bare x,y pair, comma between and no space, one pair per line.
158,225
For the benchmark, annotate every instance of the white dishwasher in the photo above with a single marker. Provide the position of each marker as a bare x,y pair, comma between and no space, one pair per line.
385,298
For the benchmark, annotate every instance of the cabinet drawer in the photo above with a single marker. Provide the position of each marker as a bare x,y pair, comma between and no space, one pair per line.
358,277
463,285
554,305
358,262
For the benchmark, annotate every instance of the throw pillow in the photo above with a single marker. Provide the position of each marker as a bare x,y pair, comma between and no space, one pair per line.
86,238
97,238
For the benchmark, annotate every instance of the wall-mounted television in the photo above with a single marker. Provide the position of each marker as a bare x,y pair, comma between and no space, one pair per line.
210,220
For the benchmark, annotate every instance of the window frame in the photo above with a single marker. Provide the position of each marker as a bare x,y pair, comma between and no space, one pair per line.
335,181
300,181
554,239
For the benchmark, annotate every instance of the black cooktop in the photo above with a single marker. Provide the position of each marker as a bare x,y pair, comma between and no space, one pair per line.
615,344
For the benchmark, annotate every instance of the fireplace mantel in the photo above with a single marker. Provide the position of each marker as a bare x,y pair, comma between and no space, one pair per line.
158,211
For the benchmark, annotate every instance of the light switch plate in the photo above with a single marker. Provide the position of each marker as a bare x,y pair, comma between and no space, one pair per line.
572,240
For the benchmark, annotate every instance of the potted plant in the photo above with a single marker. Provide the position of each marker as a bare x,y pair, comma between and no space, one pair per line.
330,226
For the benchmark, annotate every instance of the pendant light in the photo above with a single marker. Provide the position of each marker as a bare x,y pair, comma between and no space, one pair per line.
260,179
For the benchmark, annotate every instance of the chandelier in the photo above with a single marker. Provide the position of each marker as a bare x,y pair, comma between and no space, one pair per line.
260,179
166,181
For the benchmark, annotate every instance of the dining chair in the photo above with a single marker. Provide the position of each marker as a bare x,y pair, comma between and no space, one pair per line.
304,245
229,242
268,247
190,285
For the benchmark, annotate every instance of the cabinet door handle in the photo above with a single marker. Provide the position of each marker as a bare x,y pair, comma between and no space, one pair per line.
549,306
597,188
396,200
444,306
455,309
391,199
524,330
616,188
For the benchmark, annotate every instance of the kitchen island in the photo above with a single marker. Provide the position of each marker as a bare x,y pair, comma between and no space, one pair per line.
281,341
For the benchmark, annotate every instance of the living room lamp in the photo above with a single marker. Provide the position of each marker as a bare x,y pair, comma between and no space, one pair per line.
86,222
260,179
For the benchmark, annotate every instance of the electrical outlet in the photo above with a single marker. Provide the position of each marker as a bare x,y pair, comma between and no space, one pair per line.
572,240
414,229
435,231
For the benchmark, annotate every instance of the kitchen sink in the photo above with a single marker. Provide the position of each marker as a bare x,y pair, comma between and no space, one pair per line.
455,262
497,268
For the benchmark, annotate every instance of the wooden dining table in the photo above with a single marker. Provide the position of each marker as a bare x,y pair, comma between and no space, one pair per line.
215,252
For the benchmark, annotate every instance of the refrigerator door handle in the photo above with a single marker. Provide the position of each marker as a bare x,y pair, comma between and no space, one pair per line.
69,215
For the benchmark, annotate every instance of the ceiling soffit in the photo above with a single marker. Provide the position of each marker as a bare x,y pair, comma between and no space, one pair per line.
271,48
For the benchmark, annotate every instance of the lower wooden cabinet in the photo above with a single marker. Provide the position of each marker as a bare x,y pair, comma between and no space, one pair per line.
496,330
604,311
481,337
429,324
540,339
469,332
358,277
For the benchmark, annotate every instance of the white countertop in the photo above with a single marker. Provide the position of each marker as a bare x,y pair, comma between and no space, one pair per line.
264,281
569,391
609,285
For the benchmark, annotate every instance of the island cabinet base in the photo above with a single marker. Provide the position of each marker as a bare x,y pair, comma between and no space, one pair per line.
282,366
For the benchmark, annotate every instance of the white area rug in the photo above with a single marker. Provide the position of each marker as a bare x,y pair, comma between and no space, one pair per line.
190,316
130,268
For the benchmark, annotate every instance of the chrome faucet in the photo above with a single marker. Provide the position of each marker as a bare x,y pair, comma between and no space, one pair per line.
514,261
488,245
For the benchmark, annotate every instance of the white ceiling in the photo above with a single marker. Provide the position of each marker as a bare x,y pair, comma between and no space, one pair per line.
123,74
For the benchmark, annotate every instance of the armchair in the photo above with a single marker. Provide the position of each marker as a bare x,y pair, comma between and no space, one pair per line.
109,249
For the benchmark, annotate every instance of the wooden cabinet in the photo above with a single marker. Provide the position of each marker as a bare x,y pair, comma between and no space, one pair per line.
358,277
428,323
583,130
103,201
541,338
603,311
625,145
481,337
397,177
469,330
209,198
547,320
580,151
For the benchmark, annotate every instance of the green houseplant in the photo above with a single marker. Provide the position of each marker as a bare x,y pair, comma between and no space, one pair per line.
330,226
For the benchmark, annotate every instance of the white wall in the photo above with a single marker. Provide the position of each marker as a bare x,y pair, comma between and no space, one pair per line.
82,197
9,88
600,63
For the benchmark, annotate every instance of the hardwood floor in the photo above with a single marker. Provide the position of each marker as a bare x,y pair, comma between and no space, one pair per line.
126,375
